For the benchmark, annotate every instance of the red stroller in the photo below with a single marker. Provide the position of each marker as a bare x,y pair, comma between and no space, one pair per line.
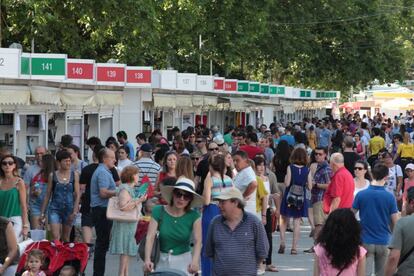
58,255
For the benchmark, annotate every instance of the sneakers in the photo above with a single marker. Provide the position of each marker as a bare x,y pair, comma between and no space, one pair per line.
261,272
310,250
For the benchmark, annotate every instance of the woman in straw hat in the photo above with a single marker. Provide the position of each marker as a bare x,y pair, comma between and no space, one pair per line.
176,222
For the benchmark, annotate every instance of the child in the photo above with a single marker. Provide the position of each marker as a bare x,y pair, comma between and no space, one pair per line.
143,222
339,248
408,182
34,262
67,270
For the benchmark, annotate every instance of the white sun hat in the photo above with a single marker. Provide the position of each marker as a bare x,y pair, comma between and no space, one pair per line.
184,184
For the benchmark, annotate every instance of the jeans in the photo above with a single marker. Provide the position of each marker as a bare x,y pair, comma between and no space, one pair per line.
268,228
376,255
103,231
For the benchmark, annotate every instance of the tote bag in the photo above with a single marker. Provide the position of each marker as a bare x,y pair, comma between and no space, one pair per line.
113,212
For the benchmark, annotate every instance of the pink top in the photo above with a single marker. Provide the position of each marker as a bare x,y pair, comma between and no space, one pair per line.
28,273
325,267
407,185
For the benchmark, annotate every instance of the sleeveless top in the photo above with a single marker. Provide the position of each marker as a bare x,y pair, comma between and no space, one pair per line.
10,202
220,185
3,239
62,193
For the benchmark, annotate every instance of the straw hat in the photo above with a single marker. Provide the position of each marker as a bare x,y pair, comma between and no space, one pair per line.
184,184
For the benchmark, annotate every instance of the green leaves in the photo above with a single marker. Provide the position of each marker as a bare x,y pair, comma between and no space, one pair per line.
323,44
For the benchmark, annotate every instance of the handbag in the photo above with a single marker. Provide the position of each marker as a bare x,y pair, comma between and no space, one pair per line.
155,252
114,212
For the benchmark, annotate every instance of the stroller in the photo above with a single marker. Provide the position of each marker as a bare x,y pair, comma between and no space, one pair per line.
167,272
57,255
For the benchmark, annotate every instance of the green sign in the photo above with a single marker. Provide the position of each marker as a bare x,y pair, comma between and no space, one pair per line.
254,87
264,89
25,66
305,93
273,90
48,66
243,86
281,90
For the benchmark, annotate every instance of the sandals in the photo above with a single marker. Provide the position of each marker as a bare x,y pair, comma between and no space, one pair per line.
293,252
281,249
271,268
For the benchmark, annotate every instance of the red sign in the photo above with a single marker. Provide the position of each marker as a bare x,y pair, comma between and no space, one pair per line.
83,71
138,76
218,84
110,74
230,86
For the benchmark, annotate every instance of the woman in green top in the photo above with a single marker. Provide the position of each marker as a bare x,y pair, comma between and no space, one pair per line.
13,204
177,224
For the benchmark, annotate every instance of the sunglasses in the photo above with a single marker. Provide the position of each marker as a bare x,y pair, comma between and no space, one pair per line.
5,163
213,149
359,168
179,194
195,158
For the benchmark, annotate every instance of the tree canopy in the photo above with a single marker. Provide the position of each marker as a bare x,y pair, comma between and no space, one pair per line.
325,44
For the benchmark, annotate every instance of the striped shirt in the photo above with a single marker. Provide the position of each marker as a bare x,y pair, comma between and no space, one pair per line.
238,251
148,167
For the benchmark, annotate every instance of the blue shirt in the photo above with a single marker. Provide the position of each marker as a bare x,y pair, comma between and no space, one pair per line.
324,138
131,154
101,179
375,206
288,138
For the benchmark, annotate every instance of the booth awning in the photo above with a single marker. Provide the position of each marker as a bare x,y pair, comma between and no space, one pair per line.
237,105
45,95
14,95
393,95
210,101
105,98
164,101
77,97
198,100
183,101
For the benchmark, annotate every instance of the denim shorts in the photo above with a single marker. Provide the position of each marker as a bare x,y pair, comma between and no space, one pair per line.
60,216
35,209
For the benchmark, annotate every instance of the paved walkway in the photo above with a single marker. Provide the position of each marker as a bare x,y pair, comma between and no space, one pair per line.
300,265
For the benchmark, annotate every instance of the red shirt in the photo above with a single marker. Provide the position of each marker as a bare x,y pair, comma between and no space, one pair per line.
342,186
251,151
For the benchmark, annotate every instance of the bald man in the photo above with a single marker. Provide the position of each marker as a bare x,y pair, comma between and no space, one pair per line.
340,193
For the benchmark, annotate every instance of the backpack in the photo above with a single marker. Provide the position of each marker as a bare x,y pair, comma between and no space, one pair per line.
296,195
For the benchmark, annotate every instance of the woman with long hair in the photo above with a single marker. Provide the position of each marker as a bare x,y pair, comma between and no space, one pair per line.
13,204
311,136
38,189
339,248
178,225
215,183
179,146
362,178
280,163
297,176
184,167
168,170
266,210
360,147
64,195
230,170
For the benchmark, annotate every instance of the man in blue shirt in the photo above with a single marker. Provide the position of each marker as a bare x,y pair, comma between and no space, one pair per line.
324,136
378,212
102,188
123,140
288,137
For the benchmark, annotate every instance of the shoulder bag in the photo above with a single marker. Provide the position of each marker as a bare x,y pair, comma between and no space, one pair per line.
296,195
114,212
155,253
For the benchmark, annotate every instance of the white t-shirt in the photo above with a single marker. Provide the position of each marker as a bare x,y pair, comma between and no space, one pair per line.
242,181
123,163
357,190
393,173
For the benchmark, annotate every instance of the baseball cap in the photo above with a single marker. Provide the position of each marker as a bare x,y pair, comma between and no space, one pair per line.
410,167
230,193
146,148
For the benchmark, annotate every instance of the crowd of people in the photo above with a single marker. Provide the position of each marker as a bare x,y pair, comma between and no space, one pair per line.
212,194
